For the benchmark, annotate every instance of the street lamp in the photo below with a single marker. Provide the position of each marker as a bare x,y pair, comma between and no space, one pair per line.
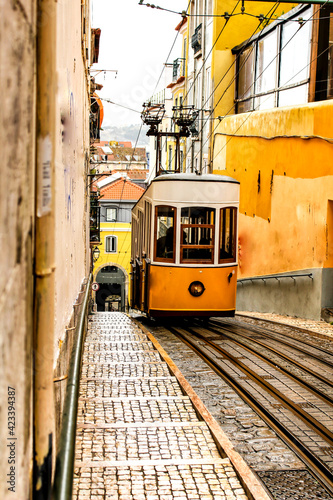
95,254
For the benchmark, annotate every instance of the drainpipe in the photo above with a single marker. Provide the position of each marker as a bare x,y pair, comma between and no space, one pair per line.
43,407
203,82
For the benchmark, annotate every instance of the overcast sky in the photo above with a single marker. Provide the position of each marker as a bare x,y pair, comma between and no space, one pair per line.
136,41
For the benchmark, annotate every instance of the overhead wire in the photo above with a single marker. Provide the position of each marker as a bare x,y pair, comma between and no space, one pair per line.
202,66
269,16
275,57
252,111
234,134
270,13
210,51
112,102
170,51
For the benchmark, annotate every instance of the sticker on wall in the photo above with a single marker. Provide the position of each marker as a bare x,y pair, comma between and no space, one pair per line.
44,177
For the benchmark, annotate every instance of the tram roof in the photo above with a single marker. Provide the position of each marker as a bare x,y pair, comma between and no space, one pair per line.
195,177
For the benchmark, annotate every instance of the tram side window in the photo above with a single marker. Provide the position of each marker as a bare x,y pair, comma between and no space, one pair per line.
165,233
228,234
140,234
134,250
147,228
197,234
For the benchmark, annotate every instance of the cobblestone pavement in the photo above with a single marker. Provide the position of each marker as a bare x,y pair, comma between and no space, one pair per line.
282,472
250,435
138,435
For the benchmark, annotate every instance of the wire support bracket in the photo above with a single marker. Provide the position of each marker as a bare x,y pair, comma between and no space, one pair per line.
278,278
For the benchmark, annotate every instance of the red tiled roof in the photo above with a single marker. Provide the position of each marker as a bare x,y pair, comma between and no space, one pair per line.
123,144
124,154
133,173
121,189
182,22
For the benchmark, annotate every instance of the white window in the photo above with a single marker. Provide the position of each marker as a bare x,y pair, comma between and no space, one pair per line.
111,214
274,70
111,244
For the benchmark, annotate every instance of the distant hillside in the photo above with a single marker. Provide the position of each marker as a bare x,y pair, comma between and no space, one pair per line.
128,133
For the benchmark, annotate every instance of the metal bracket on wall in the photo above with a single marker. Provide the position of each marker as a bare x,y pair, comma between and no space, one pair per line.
292,276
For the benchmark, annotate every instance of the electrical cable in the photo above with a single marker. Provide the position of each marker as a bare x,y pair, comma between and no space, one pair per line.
205,60
276,56
172,46
120,105
270,13
199,71
225,91
250,114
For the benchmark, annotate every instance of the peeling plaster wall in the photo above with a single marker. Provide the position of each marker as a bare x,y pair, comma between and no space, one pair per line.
286,209
17,129
18,26
72,149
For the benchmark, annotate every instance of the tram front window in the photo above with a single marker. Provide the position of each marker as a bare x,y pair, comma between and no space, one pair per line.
164,233
228,234
197,234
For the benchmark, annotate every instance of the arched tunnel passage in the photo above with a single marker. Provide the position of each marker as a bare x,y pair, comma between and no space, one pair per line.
111,295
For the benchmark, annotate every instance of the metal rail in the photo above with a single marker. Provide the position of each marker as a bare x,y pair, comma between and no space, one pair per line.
63,481
239,332
264,278
268,334
318,468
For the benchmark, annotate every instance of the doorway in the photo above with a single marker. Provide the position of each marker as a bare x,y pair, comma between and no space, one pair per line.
111,295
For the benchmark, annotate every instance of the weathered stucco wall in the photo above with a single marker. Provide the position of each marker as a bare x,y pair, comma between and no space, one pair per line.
17,129
282,159
33,84
72,153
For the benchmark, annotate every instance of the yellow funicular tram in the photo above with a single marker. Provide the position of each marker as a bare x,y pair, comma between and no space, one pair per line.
184,246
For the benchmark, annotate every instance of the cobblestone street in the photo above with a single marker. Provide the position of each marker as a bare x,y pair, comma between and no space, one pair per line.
138,436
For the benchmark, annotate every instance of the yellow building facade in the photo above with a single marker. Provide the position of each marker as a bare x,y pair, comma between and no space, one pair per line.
282,156
261,78
115,252
111,269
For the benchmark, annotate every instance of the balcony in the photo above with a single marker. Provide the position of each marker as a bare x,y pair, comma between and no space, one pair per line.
94,219
196,40
178,69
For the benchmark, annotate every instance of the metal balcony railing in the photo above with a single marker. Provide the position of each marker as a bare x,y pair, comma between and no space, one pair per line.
94,219
196,39
178,68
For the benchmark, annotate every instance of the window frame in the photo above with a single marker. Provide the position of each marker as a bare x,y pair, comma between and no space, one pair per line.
165,259
234,228
252,101
198,247
113,238
106,214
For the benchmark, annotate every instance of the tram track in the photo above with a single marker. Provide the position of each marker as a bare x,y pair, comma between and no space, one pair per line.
279,337
220,360
227,333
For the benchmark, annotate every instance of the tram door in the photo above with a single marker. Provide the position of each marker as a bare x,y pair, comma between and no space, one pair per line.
136,263
140,263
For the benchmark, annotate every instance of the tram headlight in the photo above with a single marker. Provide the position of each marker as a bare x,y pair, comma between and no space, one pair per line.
196,288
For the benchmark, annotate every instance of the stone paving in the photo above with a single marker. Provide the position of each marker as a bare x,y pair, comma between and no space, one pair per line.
251,437
138,435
